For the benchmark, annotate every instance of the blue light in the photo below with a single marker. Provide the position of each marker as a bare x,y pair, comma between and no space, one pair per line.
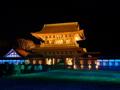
19,61
118,60
22,61
99,60
105,60
104,64
110,64
0,61
101,63
3,61
12,61
116,64
8,61
111,60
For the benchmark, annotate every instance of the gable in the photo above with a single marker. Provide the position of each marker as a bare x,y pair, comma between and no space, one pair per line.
12,53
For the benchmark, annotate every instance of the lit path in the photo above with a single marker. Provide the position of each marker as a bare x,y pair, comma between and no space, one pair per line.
64,80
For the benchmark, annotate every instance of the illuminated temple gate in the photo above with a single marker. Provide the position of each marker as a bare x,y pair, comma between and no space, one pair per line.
60,47
60,43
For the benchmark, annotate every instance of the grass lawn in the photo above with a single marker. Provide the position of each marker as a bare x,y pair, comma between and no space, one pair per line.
72,75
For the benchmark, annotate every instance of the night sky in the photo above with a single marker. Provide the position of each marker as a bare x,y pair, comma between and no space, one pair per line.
102,37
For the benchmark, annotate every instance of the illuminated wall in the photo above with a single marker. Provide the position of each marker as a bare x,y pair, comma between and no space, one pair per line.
109,63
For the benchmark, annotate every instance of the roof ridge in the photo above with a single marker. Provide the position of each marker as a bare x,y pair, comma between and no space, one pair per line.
59,24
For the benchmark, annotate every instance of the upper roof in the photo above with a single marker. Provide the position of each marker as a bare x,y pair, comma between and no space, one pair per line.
60,27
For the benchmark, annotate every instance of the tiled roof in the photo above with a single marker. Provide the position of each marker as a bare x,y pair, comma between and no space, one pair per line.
60,27
22,52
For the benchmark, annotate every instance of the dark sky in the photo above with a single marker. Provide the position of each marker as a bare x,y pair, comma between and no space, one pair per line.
103,37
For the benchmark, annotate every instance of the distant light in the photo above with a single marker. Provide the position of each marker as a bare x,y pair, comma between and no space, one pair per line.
34,61
89,61
27,62
81,61
116,64
99,60
40,62
48,61
75,66
97,63
69,61
53,61
0,61
104,63
89,56
89,66
105,60
97,67
118,60
84,49
110,64
82,66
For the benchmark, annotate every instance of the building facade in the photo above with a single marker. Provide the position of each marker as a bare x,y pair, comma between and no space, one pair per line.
60,44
